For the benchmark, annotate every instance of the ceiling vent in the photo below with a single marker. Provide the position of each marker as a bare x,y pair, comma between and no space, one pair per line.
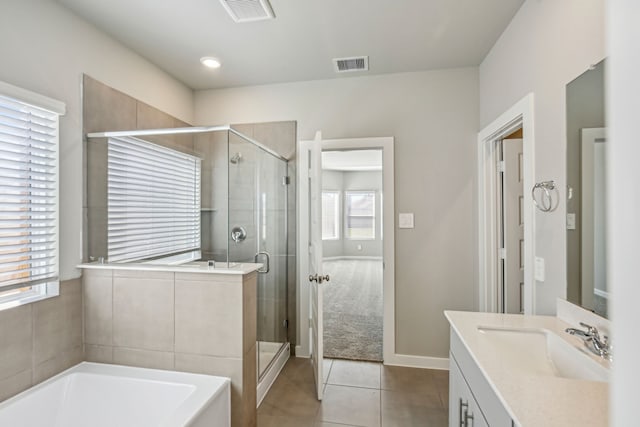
248,10
347,65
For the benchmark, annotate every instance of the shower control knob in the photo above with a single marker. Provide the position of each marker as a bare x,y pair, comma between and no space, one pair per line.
318,279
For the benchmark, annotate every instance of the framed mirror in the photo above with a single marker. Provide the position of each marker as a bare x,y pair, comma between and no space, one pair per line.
586,191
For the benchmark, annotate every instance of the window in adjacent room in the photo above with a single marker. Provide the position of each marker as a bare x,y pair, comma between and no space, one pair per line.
360,215
330,215
153,202
29,230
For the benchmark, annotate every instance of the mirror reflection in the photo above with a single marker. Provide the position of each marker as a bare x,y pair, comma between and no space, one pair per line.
586,192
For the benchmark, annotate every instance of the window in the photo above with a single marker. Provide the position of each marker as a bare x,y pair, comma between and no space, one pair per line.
330,215
153,202
28,196
360,215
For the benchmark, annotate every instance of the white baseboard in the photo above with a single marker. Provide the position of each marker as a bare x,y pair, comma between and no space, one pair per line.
410,361
337,258
272,374
302,353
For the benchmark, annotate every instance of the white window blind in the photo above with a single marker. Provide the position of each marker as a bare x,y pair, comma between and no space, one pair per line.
360,212
330,215
28,200
153,207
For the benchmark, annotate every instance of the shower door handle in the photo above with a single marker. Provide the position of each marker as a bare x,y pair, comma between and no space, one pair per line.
266,267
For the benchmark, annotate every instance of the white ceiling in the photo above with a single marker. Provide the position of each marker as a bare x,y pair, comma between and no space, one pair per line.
397,35
356,160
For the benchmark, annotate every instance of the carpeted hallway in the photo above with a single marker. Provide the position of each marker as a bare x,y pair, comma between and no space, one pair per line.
353,310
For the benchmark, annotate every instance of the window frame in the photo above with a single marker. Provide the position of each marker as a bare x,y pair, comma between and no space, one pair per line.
337,215
347,216
11,295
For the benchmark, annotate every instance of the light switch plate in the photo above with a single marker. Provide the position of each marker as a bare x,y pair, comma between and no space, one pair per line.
571,221
539,269
405,220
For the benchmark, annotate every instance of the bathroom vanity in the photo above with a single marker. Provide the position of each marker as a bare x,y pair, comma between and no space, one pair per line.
191,318
513,370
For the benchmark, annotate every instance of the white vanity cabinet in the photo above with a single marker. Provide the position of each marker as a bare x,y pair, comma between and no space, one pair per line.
463,408
472,402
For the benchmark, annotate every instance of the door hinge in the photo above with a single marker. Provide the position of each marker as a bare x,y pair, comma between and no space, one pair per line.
285,324
502,253
501,166
286,180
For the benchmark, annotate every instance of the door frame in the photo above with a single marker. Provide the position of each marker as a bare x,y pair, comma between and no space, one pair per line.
518,116
386,144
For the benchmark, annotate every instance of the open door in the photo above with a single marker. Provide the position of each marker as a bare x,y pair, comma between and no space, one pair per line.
316,277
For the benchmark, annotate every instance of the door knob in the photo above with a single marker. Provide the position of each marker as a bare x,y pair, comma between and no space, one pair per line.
318,279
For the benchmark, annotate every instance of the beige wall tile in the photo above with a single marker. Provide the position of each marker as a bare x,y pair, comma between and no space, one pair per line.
249,387
208,318
15,341
249,309
15,384
57,322
220,366
98,353
98,307
143,314
57,364
143,358
106,109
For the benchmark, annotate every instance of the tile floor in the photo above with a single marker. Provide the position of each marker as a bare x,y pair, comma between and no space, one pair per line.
356,394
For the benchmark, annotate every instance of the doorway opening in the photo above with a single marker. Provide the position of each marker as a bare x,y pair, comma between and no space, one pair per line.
511,224
352,242
506,212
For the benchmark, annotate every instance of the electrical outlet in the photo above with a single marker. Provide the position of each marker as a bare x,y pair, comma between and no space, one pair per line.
571,221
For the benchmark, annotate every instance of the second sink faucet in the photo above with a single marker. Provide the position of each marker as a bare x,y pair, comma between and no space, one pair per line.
592,340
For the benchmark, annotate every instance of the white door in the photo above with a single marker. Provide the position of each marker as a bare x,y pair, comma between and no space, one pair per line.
513,204
316,277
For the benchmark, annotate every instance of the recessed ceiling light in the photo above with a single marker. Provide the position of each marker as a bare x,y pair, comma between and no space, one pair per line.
210,62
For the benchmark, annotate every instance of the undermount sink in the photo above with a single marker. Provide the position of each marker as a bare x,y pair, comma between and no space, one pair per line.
541,352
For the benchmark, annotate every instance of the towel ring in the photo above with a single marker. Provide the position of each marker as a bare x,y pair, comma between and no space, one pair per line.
546,201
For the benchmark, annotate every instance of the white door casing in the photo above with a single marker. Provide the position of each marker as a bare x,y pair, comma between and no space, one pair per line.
386,144
518,116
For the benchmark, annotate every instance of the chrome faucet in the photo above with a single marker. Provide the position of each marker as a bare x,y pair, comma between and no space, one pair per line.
591,337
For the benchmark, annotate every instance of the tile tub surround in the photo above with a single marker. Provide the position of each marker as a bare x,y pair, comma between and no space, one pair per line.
533,400
186,319
40,339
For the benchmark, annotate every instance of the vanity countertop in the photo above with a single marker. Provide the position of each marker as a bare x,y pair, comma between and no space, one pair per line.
533,400
193,267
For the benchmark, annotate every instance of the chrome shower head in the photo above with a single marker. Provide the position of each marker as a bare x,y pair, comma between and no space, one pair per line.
236,158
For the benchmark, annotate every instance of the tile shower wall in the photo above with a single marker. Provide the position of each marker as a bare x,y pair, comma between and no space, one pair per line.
40,340
106,109
200,323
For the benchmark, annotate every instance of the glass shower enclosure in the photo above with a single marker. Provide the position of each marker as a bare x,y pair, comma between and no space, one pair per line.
242,213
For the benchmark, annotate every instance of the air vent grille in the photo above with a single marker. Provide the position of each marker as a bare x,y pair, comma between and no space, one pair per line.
356,63
248,10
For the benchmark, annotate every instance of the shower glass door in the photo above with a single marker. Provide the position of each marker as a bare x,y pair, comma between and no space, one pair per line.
257,224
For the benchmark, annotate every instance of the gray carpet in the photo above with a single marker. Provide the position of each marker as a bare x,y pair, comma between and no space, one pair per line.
353,310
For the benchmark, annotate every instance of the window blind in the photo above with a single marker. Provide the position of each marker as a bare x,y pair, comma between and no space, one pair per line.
153,203
28,195
360,215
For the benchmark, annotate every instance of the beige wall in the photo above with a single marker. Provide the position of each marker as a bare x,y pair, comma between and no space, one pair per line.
45,49
41,339
434,119
547,44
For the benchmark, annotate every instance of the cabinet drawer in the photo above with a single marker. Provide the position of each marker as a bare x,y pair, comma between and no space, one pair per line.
464,411
494,413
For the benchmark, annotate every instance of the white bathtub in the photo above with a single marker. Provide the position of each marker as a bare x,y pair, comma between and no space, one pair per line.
99,395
